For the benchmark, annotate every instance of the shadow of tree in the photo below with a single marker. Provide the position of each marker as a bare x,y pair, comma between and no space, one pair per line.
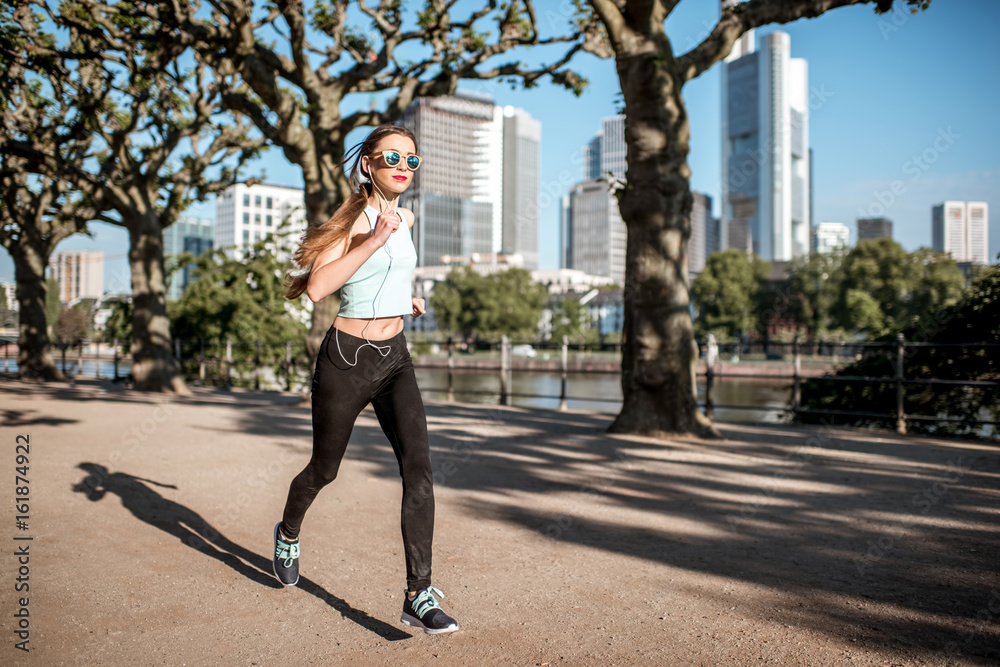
147,505
910,523
821,513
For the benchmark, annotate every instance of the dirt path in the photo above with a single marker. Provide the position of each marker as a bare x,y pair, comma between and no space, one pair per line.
556,543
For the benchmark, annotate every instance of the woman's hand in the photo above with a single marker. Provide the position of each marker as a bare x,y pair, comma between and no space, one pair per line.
418,307
386,223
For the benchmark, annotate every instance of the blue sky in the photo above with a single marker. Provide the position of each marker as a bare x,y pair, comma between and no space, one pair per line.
890,87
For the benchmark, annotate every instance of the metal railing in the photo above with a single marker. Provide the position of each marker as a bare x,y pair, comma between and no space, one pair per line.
293,368
899,417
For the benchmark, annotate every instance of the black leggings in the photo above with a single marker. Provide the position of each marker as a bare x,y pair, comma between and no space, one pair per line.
339,393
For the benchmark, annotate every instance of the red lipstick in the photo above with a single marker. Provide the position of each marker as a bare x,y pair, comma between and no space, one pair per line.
400,178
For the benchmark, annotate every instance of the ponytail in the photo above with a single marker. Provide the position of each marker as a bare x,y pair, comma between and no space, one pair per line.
316,239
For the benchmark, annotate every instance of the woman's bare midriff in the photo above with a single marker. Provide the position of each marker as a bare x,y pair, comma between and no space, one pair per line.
381,328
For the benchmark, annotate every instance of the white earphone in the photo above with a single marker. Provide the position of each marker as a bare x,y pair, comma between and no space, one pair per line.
366,171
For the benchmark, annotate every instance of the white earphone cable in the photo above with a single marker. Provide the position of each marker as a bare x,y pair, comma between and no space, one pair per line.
368,343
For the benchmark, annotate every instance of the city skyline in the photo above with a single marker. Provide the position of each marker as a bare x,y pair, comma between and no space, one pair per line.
889,137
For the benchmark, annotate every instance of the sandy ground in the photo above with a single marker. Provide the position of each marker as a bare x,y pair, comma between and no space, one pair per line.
556,543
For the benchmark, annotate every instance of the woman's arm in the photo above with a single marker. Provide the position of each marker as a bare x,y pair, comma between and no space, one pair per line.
334,267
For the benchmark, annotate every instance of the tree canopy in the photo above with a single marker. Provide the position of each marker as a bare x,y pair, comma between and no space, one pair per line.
871,289
503,303
974,321
725,293
240,299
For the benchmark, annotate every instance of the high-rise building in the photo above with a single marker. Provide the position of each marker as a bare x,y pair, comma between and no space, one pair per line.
80,274
874,228
10,293
712,236
191,235
522,142
828,236
977,216
765,149
245,214
565,234
962,229
597,233
605,154
704,232
457,195
592,232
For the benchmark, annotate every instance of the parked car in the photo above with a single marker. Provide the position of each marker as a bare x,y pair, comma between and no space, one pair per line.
523,351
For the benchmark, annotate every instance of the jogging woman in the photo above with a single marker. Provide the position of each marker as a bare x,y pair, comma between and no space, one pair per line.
366,251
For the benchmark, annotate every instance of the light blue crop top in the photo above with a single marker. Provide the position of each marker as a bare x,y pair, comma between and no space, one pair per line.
382,286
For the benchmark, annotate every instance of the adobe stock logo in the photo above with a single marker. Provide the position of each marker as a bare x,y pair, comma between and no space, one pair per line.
916,166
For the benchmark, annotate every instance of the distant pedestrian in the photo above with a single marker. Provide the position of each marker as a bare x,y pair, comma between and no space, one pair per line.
711,354
366,251
711,358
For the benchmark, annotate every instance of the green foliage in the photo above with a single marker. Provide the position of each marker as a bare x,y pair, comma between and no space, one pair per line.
8,316
324,18
938,282
504,303
53,306
815,284
725,293
878,268
118,326
71,327
571,319
975,318
875,288
865,312
242,301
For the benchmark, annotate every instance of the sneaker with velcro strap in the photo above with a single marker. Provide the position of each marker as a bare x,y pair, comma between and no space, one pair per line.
286,559
424,612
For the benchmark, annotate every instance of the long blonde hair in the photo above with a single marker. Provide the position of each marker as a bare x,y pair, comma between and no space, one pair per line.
337,229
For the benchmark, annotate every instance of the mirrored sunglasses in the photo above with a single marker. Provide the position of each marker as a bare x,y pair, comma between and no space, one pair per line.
392,159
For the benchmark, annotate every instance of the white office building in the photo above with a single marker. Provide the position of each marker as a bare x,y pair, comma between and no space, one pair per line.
80,274
245,214
522,144
962,229
475,195
828,236
765,149
457,194
10,293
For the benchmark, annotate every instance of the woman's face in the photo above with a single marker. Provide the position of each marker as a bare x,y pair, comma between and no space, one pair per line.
391,181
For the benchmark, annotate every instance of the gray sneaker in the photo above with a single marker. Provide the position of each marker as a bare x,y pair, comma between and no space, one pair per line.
286,559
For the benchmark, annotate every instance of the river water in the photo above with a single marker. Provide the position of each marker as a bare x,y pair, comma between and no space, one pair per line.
600,392
596,392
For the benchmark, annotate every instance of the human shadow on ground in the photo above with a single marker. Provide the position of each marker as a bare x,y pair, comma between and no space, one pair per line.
836,518
147,505
21,418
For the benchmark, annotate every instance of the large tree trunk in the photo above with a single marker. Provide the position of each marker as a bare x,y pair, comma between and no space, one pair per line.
153,365
659,352
34,358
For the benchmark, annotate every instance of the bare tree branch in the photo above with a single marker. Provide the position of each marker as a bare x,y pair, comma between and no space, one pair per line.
753,14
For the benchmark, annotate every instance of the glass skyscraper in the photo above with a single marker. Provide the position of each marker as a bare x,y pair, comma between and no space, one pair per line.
765,149
476,193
